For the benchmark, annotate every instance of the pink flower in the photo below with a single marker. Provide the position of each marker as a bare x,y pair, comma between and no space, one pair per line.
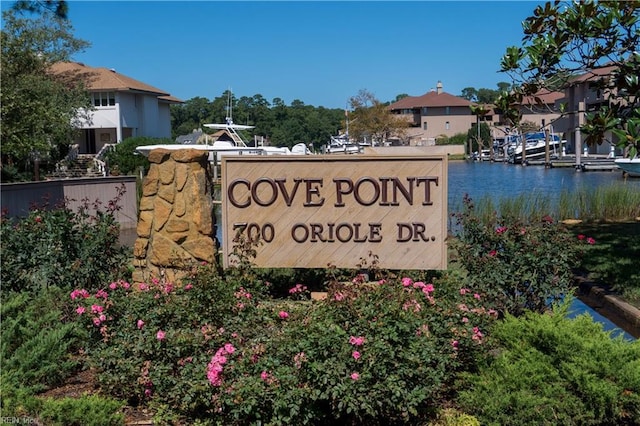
406,282
501,229
355,376
338,296
140,324
160,335
102,294
96,321
228,348
144,287
476,296
493,253
38,219
454,344
464,291
264,376
81,310
188,286
428,288
283,314
591,241
465,319
299,358
79,293
147,393
113,285
96,309
356,341
581,237
125,285
382,281
102,317
356,355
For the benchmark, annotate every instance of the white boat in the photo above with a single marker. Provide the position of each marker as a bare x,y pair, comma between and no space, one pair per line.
535,147
630,166
341,145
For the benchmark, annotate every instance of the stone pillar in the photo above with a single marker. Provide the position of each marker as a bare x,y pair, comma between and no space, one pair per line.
176,222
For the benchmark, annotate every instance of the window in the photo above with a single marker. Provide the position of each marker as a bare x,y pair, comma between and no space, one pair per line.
447,125
424,110
104,98
424,126
447,111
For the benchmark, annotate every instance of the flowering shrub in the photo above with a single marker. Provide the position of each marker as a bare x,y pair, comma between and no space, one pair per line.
63,248
220,350
518,265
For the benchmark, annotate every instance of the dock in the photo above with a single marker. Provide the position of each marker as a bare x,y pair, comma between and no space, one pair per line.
587,164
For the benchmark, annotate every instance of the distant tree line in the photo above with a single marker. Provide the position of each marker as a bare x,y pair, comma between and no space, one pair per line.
281,124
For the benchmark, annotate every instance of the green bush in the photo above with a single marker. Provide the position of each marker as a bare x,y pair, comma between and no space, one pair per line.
518,264
124,159
63,248
222,351
86,410
38,339
551,370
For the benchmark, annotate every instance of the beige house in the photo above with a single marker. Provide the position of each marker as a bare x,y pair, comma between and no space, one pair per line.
434,114
582,96
123,107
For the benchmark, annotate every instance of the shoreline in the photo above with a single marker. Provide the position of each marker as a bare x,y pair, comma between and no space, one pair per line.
611,306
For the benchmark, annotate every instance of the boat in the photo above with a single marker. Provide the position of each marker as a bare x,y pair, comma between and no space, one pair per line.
342,145
629,166
535,147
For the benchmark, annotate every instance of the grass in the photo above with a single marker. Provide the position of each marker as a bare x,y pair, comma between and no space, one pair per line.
615,258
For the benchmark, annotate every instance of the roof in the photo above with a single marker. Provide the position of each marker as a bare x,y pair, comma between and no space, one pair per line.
430,99
544,96
108,79
594,74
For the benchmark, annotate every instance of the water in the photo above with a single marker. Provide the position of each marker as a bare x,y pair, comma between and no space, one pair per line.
503,180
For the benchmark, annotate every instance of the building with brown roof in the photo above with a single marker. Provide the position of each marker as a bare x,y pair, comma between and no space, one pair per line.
437,114
434,114
585,94
123,107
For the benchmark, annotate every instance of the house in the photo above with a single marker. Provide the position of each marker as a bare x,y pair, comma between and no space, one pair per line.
433,115
582,96
123,107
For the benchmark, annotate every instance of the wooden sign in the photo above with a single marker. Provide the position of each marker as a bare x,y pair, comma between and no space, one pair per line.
320,210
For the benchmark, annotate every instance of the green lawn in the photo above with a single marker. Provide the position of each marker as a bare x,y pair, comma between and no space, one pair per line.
614,259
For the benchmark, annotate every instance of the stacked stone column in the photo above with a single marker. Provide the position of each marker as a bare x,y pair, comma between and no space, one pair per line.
176,222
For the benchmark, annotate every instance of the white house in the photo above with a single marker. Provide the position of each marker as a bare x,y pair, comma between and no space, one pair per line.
124,107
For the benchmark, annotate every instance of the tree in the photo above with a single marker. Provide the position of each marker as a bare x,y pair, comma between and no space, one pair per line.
60,8
562,40
400,97
469,93
39,110
477,132
372,119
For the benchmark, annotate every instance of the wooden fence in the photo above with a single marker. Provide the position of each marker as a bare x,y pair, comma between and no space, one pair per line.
19,198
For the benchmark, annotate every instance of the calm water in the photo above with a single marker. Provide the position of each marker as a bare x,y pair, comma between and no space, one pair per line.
502,180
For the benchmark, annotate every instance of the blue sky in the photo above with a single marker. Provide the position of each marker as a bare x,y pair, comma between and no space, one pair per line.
321,53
